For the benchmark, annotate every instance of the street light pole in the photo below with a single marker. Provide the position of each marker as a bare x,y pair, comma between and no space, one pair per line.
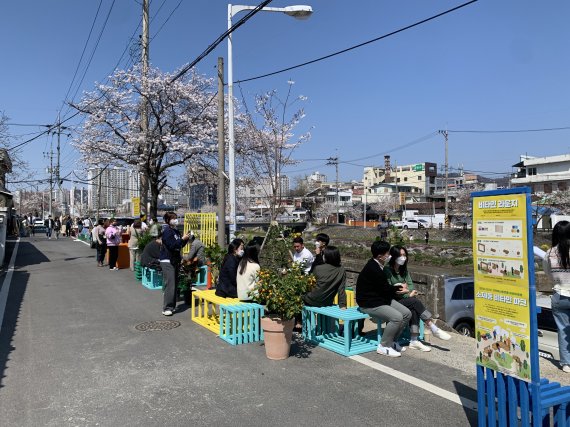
298,12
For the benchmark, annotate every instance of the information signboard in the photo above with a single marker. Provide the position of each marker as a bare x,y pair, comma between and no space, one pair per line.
505,330
136,204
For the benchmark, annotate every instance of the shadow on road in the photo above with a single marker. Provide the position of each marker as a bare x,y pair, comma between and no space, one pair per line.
27,255
300,348
467,392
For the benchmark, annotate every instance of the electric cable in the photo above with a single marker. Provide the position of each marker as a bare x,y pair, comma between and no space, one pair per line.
423,21
510,131
167,19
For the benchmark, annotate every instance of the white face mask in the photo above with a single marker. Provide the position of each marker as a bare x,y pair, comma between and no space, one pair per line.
174,222
317,244
401,260
240,253
151,222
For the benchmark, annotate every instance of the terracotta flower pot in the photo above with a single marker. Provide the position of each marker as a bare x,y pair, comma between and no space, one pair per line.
277,336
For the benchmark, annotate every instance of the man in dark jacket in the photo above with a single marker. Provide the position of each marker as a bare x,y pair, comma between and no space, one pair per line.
321,242
375,297
331,278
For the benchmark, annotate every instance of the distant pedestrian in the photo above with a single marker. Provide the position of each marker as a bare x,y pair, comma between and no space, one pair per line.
101,240
113,236
384,235
68,226
134,233
57,227
426,235
49,224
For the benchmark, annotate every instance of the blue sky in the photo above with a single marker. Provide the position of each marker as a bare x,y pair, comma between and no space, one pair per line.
493,65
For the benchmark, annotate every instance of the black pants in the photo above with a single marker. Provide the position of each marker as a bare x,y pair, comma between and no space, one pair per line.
101,249
418,312
169,279
113,255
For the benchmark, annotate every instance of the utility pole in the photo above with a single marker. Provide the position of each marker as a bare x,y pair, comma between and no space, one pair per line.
221,158
334,161
445,135
143,171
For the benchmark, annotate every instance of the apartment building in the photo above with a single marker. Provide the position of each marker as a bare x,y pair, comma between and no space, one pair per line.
108,187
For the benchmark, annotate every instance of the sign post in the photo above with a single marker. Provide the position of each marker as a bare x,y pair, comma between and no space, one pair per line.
505,300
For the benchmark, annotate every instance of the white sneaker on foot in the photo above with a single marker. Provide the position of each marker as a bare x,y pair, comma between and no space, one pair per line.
396,346
566,368
387,351
417,345
167,312
442,335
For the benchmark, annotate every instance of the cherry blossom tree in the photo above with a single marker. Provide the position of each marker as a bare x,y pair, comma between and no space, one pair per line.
182,124
325,210
266,141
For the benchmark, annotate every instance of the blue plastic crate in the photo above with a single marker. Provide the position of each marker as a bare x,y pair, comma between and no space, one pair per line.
201,276
151,279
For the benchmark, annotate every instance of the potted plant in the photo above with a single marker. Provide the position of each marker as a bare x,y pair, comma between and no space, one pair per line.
281,291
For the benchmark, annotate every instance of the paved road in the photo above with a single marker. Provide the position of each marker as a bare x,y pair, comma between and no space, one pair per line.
70,356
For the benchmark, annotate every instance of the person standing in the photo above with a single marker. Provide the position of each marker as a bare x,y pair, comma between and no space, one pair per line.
557,267
154,228
375,297
68,226
426,235
57,227
49,224
113,237
302,255
134,232
99,235
170,259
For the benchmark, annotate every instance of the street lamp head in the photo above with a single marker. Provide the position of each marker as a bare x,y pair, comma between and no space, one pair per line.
299,11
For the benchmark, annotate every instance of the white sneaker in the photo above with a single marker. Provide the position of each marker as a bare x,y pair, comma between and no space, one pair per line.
396,346
566,368
442,335
167,312
419,346
387,351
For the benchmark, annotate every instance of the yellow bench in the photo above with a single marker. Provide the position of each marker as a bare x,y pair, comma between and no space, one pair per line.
206,309
350,298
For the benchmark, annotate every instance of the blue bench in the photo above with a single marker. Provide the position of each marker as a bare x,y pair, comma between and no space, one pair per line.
151,279
240,323
321,325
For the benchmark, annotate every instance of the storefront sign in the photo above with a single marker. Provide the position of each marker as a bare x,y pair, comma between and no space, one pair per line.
136,204
504,291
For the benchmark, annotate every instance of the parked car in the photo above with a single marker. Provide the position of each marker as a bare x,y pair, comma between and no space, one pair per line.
460,314
459,304
411,223
382,225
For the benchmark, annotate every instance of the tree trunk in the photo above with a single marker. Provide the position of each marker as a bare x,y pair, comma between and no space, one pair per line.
153,184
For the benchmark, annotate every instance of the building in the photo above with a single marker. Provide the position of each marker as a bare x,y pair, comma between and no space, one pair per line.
108,187
421,177
542,174
254,196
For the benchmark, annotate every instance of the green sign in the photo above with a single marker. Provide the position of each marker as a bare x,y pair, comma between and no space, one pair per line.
418,168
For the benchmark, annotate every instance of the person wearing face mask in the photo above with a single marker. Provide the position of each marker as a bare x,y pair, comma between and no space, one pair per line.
398,275
170,259
376,297
321,242
154,228
113,237
227,281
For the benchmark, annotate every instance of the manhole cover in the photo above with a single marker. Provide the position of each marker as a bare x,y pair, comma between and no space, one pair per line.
157,325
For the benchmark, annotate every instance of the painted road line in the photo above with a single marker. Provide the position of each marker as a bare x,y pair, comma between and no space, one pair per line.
6,284
83,241
424,385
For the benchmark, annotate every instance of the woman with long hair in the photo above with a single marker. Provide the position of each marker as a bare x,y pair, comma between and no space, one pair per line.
170,259
557,266
227,282
247,272
398,275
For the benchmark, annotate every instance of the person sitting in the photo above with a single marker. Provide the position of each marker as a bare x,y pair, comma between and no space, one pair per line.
150,257
227,281
247,272
302,255
398,275
321,242
376,297
331,278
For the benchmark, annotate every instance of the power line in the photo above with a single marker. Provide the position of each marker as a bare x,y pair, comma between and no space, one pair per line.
167,19
423,21
83,52
221,38
510,131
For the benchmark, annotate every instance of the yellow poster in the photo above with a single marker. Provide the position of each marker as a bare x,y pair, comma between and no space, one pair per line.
136,203
500,260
